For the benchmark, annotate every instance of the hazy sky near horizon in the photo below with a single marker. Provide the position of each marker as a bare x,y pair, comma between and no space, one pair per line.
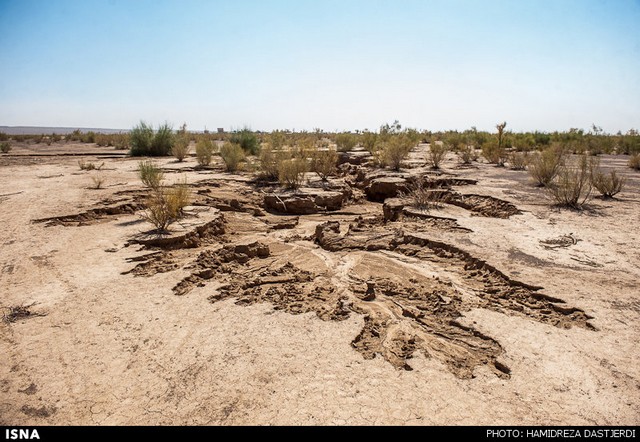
334,64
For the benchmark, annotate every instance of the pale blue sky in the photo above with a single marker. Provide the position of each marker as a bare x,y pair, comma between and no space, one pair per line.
334,64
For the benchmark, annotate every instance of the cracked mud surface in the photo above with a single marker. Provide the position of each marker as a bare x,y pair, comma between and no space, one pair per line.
521,314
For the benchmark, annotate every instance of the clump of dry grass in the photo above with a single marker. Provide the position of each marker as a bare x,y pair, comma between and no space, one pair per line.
291,172
98,181
421,196
467,154
323,162
634,161
88,165
395,150
204,151
607,184
166,205
232,155
572,186
150,174
437,152
545,165
518,160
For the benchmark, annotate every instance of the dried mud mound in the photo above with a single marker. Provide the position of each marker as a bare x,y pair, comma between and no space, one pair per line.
105,210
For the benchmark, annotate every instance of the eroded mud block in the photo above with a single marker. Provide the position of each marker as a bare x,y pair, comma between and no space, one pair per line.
305,201
198,227
105,210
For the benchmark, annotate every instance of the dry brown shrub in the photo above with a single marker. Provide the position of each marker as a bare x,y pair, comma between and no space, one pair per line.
572,186
166,205
323,162
437,152
634,161
519,160
291,172
545,165
607,184
180,147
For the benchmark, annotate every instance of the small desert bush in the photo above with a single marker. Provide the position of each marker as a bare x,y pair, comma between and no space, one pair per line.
277,139
634,161
247,140
150,174
607,184
346,141
144,141
291,172
98,181
395,150
518,160
323,162
421,196
5,147
232,154
180,147
494,153
88,165
467,154
437,152
572,187
545,165
269,159
166,206
370,141
204,151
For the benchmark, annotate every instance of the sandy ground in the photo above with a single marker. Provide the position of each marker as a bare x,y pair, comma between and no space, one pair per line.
102,330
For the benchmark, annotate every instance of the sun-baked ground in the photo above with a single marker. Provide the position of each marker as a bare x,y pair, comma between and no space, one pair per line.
337,304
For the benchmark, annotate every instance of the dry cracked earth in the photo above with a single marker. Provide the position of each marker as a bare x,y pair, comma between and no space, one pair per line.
339,303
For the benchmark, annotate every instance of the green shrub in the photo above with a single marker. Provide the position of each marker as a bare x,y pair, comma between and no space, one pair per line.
346,141
204,151
370,141
247,140
5,147
323,162
150,175
395,150
145,142
291,172
437,152
232,154
544,166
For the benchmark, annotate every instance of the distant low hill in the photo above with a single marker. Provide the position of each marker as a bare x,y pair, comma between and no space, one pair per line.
38,130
